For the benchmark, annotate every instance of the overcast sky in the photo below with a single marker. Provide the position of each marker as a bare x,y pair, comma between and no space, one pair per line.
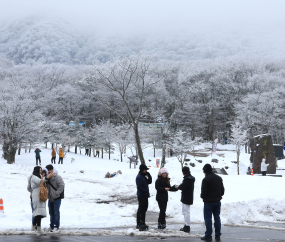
151,15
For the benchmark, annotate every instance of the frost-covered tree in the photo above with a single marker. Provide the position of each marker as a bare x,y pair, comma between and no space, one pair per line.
239,138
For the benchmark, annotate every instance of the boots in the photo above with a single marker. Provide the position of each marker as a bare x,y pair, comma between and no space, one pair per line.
163,226
159,226
185,229
33,228
40,231
143,226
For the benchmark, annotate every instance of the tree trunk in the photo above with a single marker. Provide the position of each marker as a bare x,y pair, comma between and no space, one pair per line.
163,156
68,148
26,148
19,150
46,145
75,149
121,156
109,151
245,147
55,146
51,145
11,154
153,151
238,152
30,147
138,143
93,151
80,151
102,153
90,151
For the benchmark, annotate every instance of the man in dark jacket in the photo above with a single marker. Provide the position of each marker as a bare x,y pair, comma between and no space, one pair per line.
187,190
211,192
143,180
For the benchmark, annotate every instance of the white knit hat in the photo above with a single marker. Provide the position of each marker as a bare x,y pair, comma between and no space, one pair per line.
162,170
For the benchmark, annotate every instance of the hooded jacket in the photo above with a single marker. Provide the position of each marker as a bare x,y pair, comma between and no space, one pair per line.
61,154
187,189
53,153
58,183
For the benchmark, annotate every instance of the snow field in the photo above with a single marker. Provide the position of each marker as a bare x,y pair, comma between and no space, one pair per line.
247,198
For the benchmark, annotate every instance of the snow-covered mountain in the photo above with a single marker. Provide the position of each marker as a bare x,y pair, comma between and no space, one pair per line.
52,40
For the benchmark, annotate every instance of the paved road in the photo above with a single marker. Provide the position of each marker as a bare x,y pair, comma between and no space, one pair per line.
232,234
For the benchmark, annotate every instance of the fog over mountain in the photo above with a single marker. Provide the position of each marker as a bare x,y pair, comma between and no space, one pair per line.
74,32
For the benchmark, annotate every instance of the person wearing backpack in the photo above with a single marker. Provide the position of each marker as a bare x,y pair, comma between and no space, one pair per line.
55,186
39,207
38,156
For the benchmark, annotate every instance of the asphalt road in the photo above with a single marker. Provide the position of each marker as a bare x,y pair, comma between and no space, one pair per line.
232,234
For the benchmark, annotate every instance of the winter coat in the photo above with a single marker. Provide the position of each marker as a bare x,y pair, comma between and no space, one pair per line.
34,186
53,153
61,154
142,181
162,194
212,188
187,189
37,151
58,183
264,166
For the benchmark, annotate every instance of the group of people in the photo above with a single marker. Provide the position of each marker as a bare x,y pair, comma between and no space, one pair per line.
212,191
88,151
55,185
53,156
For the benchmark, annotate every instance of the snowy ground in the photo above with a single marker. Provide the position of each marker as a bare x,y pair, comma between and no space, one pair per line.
247,198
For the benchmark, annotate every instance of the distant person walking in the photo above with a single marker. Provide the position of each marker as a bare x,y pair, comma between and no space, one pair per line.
212,191
38,156
187,191
143,179
55,186
61,156
53,156
263,167
162,185
86,151
97,152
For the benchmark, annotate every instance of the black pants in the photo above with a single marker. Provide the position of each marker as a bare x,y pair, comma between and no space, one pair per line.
60,160
53,159
162,208
38,159
86,152
263,173
143,205
97,153
37,220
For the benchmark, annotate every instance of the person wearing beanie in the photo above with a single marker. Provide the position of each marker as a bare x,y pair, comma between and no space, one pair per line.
143,179
212,191
162,185
187,191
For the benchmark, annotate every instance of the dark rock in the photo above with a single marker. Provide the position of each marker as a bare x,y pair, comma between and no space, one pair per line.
192,164
187,160
226,167
215,160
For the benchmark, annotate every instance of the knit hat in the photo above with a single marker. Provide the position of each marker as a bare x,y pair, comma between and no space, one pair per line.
207,168
162,170
143,167
186,170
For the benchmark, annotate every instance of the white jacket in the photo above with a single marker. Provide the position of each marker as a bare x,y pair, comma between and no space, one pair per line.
264,166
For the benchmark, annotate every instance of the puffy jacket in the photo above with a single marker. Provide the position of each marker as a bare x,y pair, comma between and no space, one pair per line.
212,188
58,183
187,189
53,153
61,154
264,166
37,151
162,194
142,181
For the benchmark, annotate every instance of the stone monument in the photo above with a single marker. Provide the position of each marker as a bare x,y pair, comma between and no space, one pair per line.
262,147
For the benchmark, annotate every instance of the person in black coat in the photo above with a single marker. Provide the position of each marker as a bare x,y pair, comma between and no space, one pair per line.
162,185
187,190
143,180
212,191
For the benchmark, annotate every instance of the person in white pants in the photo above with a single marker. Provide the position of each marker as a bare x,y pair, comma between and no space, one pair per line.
187,190
264,167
